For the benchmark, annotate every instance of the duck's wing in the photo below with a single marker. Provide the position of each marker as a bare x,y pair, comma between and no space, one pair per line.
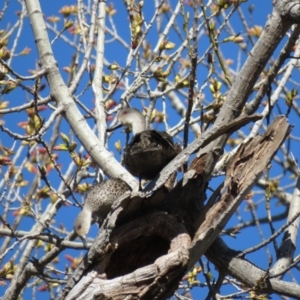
151,141
164,138
172,148
149,152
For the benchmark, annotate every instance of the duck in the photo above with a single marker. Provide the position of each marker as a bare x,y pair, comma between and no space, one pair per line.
149,151
98,202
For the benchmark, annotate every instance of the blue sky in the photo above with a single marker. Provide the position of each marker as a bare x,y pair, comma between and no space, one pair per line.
114,52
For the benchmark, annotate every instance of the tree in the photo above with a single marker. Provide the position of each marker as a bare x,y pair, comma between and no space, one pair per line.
155,242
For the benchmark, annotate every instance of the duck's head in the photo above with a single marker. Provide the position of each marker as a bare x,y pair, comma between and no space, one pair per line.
132,118
82,223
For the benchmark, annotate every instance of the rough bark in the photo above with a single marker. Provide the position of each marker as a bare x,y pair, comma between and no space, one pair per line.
131,247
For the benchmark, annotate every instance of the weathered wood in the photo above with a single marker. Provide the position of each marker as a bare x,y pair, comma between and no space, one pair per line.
245,168
158,237
139,254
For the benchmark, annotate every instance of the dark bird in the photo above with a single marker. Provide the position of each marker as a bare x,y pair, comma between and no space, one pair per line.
98,201
149,151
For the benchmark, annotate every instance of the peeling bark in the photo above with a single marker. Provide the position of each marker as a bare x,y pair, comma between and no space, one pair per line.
146,255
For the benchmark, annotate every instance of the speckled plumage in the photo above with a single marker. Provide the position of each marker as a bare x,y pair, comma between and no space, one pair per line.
149,150
98,202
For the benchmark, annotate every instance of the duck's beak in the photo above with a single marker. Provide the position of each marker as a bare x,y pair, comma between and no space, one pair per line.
113,128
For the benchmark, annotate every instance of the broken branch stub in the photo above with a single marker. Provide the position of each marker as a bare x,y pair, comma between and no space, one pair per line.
243,171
